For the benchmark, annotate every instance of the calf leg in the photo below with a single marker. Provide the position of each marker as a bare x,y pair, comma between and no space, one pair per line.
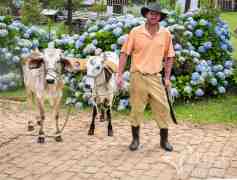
30,105
92,126
41,137
102,115
109,119
58,136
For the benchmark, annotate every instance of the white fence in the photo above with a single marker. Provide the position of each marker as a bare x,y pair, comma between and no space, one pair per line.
228,4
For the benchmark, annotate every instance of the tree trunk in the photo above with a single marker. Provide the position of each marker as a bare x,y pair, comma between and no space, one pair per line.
69,15
187,5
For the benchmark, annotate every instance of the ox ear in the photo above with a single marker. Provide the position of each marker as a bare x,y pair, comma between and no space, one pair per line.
66,63
108,74
73,64
35,63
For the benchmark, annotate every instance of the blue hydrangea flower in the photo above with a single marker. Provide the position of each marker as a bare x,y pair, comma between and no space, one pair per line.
163,23
119,24
201,49
107,27
199,92
209,62
228,64
199,33
195,76
213,81
123,104
203,22
193,23
220,75
2,18
15,59
3,33
177,47
220,67
196,60
194,54
95,42
122,39
93,29
174,92
207,45
114,47
117,31
190,27
221,90
228,72
224,46
225,83
8,56
202,67
172,78
188,34
82,38
188,89
3,26
178,53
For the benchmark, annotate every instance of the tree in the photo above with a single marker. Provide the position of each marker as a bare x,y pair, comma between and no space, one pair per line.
31,12
187,5
70,5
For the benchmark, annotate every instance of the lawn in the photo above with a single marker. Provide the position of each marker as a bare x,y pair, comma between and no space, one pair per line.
211,110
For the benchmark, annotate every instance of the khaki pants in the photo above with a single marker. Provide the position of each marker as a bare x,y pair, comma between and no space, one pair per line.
148,89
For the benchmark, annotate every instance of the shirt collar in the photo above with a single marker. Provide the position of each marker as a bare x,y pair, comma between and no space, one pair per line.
145,31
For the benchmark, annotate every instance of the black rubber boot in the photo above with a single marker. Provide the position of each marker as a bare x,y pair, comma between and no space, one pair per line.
164,140
135,141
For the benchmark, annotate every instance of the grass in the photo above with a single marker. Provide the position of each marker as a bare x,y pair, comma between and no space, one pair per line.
211,110
19,93
231,19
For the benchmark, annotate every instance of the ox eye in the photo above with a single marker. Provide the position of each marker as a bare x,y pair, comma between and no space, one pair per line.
98,67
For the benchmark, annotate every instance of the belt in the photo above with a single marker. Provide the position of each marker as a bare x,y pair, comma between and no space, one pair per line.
147,74
150,74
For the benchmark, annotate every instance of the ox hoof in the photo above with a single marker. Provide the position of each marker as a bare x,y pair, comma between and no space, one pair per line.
58,139
31,128
110,133
91,132
41,140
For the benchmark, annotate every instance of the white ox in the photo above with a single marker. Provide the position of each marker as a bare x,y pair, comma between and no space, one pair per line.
100,78
43,80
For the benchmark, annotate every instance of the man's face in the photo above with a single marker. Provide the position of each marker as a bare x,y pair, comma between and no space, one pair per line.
153,17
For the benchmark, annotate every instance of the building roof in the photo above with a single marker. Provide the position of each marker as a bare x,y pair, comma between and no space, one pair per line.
49,12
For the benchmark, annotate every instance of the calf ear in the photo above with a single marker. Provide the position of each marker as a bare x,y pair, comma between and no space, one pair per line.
108,74
67,66
35,63
73,64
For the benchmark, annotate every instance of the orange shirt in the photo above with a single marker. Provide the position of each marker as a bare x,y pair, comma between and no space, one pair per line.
148,52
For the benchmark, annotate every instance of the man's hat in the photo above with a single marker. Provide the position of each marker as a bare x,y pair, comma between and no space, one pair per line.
153,7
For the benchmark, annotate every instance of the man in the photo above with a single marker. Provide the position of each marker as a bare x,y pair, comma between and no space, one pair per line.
150,46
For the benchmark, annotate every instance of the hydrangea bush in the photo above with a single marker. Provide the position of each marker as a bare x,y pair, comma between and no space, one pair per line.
201,41
16,40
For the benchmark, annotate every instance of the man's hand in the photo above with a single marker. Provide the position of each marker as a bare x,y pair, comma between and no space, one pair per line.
167,84
119,81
